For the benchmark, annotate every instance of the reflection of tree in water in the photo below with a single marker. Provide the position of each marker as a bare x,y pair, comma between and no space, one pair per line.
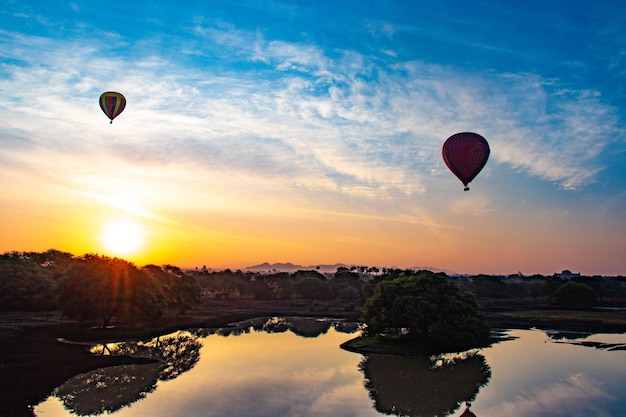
301,326
309,328
560,334
419,386
347,326
578,339
109,389
593,344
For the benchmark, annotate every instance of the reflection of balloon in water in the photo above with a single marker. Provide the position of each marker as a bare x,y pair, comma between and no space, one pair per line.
465,154
112,104
467,412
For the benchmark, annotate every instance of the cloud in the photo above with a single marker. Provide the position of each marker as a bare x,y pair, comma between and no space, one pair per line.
576,395
292,118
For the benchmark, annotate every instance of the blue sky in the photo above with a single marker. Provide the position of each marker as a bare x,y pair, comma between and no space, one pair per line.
311,132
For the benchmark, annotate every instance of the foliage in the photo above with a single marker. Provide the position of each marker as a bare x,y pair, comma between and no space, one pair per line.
275,286
99,287
29,281
53,261
574,294
487,286
181,291
348,293
346,285
25,284
367,290
223,284
312,288
428,309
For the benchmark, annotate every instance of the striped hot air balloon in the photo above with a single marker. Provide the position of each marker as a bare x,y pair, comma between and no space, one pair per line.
112,104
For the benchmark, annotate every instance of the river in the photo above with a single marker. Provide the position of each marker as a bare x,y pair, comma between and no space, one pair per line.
295,367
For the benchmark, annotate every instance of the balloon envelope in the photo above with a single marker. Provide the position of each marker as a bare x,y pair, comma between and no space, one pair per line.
112,104
465,154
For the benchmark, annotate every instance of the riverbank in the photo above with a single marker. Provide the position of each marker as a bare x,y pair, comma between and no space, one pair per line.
33,362
598,320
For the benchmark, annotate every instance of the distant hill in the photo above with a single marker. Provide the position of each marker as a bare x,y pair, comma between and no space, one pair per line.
289,267
433,269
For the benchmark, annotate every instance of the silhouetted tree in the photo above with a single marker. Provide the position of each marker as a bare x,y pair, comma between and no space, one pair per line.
488,286
54,261
25,284
573,294
224,284
181,291
430,309
278,286
99,287
308,273
312,288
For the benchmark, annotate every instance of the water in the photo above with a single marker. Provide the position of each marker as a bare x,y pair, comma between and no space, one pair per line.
294,367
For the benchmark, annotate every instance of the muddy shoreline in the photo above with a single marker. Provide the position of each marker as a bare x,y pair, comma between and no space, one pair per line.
33,361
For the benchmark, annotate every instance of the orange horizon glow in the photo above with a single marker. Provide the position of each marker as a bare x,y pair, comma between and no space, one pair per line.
246,238
230,228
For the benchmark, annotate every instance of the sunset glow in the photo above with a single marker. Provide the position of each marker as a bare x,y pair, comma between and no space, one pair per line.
312,133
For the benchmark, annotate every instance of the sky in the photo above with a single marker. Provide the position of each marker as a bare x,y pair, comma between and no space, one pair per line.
311,132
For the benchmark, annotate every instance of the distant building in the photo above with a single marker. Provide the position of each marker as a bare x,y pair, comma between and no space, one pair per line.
567,274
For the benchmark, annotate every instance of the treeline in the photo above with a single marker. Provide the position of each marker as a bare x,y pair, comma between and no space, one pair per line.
309,285
94,287
575,291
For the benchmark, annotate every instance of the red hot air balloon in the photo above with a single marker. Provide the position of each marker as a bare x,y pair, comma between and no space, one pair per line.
112,104
465,154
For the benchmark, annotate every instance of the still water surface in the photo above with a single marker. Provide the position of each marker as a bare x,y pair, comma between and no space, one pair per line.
295,367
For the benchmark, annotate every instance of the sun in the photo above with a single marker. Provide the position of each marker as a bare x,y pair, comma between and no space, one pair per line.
122,236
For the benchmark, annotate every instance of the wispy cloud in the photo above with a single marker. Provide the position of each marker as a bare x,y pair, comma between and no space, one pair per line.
575,396
330,118
295,118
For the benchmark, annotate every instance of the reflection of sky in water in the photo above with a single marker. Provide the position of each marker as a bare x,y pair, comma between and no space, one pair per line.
281,374
260,374
533,376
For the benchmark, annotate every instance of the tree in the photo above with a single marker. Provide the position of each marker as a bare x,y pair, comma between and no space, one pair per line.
312,288
25,284
223,284
274,286
573,294
427,309
54,261
100,288
181,291
489,286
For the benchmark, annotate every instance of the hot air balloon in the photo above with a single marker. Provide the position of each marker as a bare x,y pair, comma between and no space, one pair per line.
112,104
465,154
